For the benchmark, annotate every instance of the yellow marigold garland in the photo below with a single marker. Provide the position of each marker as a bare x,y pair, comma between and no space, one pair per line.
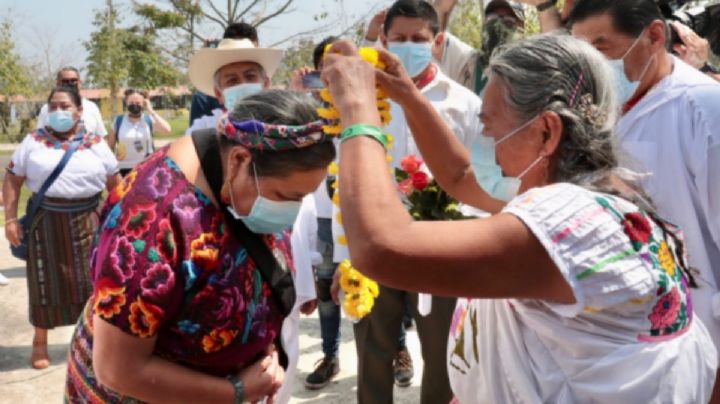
359,291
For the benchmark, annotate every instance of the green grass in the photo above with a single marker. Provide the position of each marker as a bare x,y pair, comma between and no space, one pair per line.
178,121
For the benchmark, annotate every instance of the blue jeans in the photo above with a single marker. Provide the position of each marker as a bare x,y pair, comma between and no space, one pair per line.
327,309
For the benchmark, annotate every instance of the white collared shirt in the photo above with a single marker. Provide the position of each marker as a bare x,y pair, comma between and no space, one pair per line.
674,134
92,119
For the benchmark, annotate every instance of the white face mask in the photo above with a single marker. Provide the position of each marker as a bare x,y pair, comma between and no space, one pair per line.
488,172
266,216
625,88
233,94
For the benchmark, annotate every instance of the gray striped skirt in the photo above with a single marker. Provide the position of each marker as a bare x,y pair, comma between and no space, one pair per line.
58,266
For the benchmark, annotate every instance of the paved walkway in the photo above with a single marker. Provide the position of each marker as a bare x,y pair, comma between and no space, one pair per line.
19,383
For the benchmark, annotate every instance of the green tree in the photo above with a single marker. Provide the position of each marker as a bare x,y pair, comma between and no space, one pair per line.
119,57
107,59
467,22
14,79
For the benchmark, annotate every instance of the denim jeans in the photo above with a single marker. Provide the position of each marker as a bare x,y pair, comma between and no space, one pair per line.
327,309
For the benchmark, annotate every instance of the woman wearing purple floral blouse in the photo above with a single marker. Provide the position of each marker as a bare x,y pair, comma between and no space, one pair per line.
179,311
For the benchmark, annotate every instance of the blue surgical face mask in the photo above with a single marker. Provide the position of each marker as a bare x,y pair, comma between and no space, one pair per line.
236,93
267,216
61,121
488,172
624,87
415,57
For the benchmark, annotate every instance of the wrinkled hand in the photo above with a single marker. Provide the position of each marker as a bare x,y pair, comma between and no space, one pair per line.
351,82
309,307
694,49
296,79
375,26
13,233
263,378
395,81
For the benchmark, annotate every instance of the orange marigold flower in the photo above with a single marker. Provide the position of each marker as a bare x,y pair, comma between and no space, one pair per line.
205,251
109,300
218,339
144,318
122,188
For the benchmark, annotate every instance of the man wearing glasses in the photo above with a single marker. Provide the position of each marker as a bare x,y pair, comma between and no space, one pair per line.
92,119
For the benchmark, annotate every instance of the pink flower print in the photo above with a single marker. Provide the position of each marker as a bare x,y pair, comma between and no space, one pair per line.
158,182
666,310
122,260
186,207
157,284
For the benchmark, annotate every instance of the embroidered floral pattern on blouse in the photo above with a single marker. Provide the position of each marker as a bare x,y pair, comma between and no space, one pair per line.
42,137
671,314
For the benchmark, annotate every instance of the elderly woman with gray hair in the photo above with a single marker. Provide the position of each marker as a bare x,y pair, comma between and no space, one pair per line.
576,291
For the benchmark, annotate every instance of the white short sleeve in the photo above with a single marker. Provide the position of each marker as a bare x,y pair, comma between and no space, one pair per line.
107,157
18,162
588,244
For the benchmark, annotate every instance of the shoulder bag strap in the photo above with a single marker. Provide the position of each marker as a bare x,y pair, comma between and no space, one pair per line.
280,280
37,199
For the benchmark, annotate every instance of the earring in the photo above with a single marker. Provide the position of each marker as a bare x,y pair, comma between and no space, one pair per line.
225,193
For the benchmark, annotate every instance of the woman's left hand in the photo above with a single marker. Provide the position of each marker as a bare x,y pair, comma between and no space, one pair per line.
351,82
309,307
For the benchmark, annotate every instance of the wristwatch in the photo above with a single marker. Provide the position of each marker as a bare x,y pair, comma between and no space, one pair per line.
709,68
239,388
546,5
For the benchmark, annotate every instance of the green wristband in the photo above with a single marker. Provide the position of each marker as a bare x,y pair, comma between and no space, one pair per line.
364,130
239,388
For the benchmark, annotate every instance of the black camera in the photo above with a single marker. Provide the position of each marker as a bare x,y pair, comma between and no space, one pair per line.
702,16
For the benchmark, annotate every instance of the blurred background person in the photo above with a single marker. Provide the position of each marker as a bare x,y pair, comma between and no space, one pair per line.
91,117
131,134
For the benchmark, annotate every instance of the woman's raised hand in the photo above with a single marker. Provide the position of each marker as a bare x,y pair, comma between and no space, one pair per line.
394,80
351,82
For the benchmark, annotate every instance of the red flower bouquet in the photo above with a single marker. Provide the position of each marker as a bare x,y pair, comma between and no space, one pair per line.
422,195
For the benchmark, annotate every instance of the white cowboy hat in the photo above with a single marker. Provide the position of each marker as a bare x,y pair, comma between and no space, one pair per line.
205,62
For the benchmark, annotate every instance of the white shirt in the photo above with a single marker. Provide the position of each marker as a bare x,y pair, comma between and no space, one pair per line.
304,253
84,175
459,108
206,121
674,133
92,119
629,338
455,58
134,142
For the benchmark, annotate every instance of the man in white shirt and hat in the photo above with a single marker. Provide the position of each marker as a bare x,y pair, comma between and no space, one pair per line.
670,126
230,72
91,117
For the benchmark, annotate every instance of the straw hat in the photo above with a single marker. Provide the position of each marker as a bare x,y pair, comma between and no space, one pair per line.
205,62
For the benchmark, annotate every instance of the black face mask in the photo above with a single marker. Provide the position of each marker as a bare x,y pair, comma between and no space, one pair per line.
134,109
